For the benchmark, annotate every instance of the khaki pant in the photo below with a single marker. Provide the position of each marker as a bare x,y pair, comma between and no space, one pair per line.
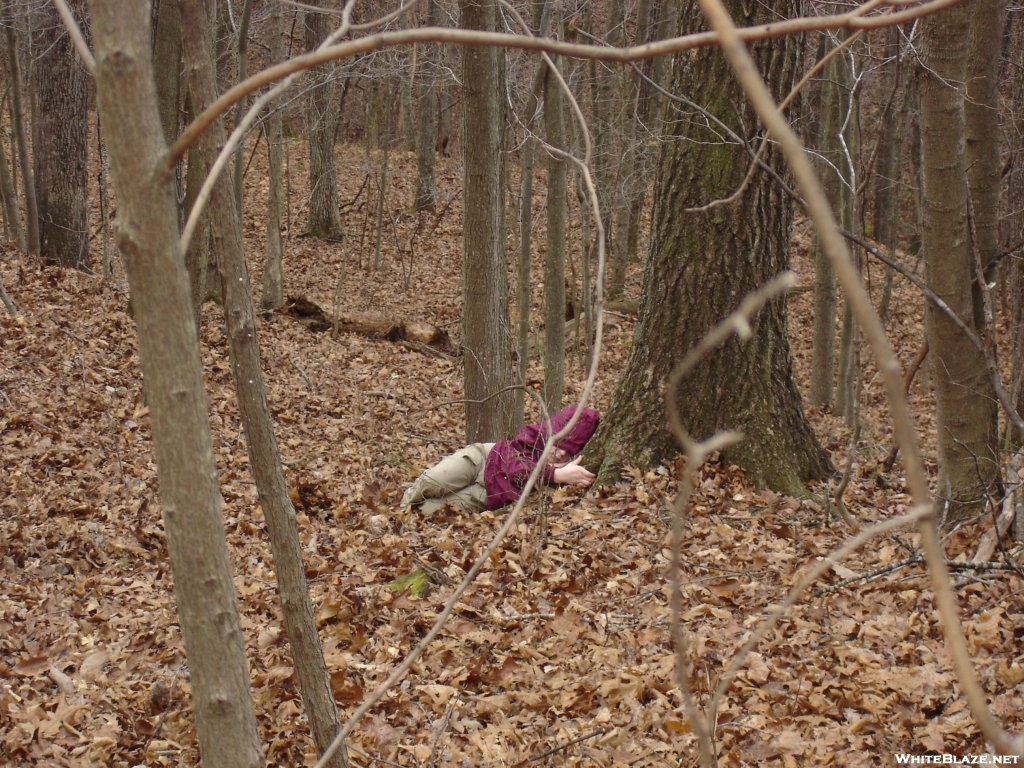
458,479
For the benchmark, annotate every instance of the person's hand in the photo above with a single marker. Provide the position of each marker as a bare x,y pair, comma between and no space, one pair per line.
574,474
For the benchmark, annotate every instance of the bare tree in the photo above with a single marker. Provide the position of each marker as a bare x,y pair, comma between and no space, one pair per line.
169,356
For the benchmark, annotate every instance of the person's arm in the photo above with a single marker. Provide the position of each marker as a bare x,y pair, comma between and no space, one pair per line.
573,473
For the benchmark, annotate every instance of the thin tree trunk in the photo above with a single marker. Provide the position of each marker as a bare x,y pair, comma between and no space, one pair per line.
101,182
426,107
167,66
243,104
542,21
485,324
834,175
264,459
981,134
198,259
169,357
554,262
24,159
966,437
273,273
10,194
61,150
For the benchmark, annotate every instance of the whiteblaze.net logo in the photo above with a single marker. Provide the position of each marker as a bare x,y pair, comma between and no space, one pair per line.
904,759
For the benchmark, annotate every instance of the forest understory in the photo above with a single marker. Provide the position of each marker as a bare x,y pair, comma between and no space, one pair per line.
560,653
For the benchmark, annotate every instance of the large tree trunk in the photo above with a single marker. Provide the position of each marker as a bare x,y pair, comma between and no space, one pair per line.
321,122
264,459
485,321
63,133
169,356
968,464
700,267
28,184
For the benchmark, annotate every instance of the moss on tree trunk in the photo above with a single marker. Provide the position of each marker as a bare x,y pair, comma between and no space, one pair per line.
700,267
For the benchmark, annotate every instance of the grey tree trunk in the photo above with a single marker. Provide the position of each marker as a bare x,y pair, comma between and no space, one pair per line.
426,117
28,185
981,133
554,262
699,268
167,66
485,322
321,122
273,273
61,150
169,356
889,163
264,459
243,104
835,177
968,463
202,272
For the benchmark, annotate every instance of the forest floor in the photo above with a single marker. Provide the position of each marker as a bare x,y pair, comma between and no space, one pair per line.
559,654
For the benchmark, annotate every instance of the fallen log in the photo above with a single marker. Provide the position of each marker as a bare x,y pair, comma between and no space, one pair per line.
370,324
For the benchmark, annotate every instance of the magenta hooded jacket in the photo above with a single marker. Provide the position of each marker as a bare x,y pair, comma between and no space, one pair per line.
510,462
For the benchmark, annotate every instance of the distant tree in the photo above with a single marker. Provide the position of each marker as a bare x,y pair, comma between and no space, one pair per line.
699,268
554,258
486,338
321,124
273,274
426,116
62,138
28,184
169,357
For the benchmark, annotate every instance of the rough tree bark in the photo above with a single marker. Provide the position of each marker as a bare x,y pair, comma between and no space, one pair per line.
321,122
485,322
967,438
700,266
264,459
169,356
62,138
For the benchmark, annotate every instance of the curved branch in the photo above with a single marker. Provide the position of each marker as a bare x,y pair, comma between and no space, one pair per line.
851,20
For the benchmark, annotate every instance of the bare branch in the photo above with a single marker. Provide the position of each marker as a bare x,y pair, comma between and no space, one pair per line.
851,20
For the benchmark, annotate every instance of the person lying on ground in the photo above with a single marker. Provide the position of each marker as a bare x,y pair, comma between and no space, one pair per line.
490,475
